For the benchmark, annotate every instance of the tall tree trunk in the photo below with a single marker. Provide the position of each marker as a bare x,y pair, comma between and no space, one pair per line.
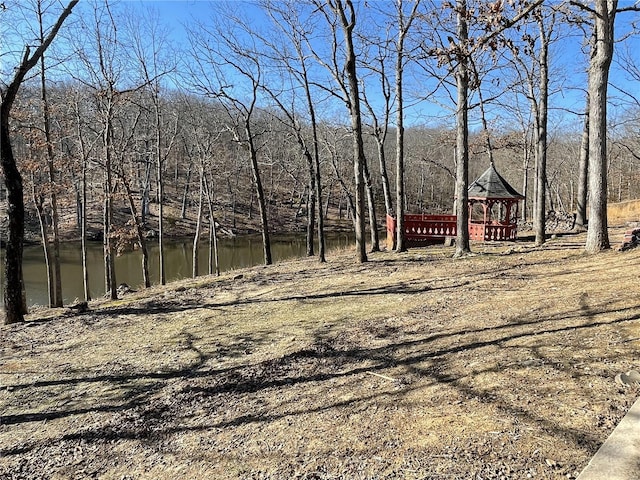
318,185
317,181
185,193
311,205
53,197
196,236
107,241
214,258
160,187
540,217
293,30
38,201
462,136
384,177
83,235
137,222
526,158
83,204
262,206
601,56
371,203
359,159
400,196
403,28
583,175
14,286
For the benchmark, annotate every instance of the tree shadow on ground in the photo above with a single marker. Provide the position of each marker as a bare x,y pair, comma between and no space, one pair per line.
326,359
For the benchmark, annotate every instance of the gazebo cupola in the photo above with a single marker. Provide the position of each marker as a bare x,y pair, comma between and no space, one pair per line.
493,207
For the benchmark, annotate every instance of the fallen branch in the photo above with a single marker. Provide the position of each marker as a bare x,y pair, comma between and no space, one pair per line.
382,376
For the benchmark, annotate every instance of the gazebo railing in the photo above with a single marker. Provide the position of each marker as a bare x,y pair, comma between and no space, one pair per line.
482,232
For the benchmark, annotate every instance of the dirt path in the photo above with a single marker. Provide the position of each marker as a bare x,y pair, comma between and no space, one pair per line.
499,365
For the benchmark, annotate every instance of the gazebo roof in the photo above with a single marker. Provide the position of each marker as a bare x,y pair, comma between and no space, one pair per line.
491,185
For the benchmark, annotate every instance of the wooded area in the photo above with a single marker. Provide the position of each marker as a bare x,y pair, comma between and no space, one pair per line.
295,115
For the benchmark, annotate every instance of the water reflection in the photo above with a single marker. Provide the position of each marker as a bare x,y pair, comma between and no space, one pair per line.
236,252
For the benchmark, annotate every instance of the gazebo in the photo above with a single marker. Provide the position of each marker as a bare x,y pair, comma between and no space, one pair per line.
493,207
493,215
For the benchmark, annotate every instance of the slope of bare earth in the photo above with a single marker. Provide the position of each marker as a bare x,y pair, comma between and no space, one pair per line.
415,365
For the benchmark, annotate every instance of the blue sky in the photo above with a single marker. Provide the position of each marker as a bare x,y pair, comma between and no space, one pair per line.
175,12
178,13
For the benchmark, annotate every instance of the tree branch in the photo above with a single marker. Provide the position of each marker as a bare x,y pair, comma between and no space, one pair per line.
28,62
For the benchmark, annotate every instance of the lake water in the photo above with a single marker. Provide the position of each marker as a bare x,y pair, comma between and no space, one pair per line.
242,251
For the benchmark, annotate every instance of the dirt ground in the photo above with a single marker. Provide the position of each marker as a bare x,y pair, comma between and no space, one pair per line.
500,365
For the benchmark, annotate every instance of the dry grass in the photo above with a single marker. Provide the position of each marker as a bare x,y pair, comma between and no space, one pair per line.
499,365
620,213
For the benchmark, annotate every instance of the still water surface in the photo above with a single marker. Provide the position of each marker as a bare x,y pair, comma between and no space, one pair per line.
242,251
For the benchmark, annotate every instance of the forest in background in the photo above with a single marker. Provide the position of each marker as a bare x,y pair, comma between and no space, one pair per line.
125,135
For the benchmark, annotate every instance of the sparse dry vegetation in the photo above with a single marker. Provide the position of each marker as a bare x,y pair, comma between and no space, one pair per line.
499,365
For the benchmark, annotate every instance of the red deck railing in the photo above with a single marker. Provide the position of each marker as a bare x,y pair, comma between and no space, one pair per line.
420,230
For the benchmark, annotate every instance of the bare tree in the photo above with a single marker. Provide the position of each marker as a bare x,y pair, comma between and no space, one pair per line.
379,128
220,54
539,102
604,15
85,147
14,301
289,24
151,48
122,146
583,175
519,140
195,258
204,139
341,16
53,267
462,130
101,69
104,63
404,24
214,254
